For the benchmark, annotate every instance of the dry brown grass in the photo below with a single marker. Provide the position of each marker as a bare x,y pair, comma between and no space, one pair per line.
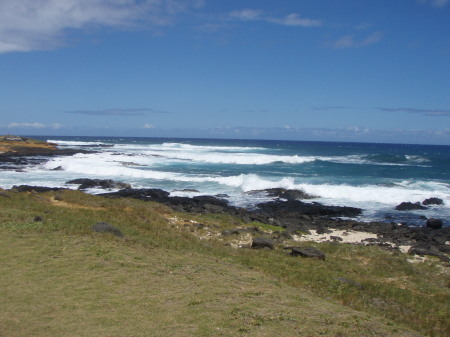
15,146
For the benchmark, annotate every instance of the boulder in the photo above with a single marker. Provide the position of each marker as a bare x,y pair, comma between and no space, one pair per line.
237,231
153,194
259,243
409,206
102,183
307,252
39,189
103,227
188,190
284,193
429,252
323,230
295,209
433,201
434,223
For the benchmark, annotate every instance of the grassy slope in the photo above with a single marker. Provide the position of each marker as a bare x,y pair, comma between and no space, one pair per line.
57,278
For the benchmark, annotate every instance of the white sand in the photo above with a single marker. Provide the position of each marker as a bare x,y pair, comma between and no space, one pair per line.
347,236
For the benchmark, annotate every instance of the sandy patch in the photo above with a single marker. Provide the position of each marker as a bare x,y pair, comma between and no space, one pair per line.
347,236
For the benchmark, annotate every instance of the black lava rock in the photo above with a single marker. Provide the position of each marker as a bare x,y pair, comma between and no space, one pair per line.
409,206
434,223
307,252
433,201
259,243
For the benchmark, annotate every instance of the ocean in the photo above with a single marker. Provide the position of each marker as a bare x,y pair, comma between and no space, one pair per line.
374,177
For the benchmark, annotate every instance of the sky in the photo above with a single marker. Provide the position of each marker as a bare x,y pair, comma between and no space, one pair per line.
326,70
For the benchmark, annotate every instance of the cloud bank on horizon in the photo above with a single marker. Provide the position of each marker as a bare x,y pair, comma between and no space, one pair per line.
230,68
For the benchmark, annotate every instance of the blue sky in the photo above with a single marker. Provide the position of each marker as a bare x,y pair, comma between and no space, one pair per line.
348,70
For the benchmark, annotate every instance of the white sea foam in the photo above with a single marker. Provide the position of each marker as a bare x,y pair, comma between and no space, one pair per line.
109,165
74,143
234,158
363,160
346,194
417,159
191,147
234,154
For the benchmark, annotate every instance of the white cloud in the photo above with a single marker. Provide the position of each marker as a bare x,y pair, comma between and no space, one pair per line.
346,41
27,25
349,41
34,125
439,3
371,39
26,125
435,3
247,14
292,19
428,112
295,20
149,126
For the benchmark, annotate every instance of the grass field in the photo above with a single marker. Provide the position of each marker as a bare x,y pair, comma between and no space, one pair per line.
168,276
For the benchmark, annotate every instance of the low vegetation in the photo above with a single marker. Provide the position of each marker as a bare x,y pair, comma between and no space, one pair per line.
18,144
175,274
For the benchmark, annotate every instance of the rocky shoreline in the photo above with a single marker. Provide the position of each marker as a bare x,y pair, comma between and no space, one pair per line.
312,221
17,152
288,211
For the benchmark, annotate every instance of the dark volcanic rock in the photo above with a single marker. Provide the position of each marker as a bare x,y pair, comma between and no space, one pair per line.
307,252
431,252
434,223
153,194
102,183
206,199
295,195
409,206
40,189
10,162
103,227
30,151
236,231
284,193
433,201
259,243
296,208
191,190
199,204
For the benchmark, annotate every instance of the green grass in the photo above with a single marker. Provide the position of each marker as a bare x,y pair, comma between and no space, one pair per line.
57,278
